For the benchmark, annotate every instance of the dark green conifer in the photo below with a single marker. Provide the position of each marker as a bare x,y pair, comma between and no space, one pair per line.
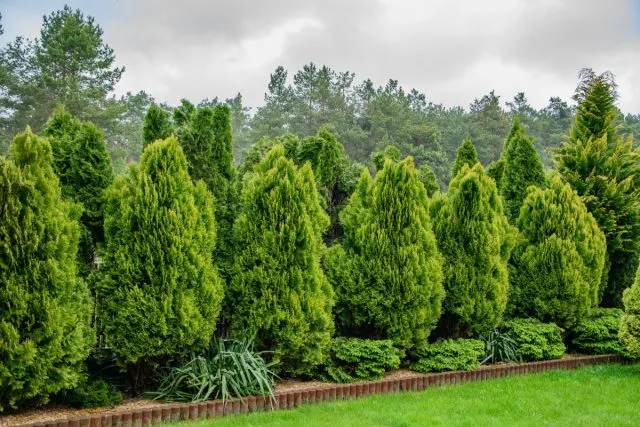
157,125
465,155
45,309
522,168
83,166
605,171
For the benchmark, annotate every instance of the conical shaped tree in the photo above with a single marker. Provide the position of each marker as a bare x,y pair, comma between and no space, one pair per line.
605,171
475,240
465,155
495,170
387,273
156,125
160,294
278,290
522,168
556,268
630,324
45,309
83,165
429,179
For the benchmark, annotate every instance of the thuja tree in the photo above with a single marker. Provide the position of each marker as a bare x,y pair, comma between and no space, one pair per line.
160,294
387,273
556,268
465,155
630,324
278,290
156,125
522,168
83,166
605,171
45,309
475,240
428,178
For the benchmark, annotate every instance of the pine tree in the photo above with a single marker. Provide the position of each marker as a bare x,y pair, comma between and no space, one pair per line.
387,273
522,168
278,290
83,166
630,324
160,294
605,171
556,268
45,309
157,125
465,155
475,240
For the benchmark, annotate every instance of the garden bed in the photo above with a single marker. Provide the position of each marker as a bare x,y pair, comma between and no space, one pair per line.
289,394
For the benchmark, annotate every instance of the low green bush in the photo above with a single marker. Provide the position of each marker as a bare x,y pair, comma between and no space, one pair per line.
229,369
499,347
449,355
598,333
536,340
90,394
355,359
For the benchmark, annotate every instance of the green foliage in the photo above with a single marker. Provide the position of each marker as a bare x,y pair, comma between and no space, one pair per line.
81,162
475,240
278,290
522,168
229,369
68,64
465,155
605,171
496,171
90,394
449,355
156,125
557,265
387,273
499,347
354,359
45,309
429,179
630,322
598,332
535,340
159,293
390,152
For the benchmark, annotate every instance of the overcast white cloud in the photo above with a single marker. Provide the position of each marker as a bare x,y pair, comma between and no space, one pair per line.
453,50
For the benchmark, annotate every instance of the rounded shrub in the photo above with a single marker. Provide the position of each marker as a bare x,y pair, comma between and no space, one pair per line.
387,273
535,340
278,290
557,266
160,294
475,240
597,333
630,323
449,355
45,309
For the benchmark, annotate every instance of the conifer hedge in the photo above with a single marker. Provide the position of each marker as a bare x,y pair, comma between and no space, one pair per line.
556,268
475,240
387,273
278,290
45,309
160,294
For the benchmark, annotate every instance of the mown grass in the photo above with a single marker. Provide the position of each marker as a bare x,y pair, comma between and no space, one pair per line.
607,395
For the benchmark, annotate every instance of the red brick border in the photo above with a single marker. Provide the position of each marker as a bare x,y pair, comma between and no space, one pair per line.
292,399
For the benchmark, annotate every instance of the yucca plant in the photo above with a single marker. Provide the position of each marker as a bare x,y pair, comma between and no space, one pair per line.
229,369
499,347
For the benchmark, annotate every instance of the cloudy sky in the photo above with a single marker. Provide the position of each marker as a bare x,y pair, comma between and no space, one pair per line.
452,50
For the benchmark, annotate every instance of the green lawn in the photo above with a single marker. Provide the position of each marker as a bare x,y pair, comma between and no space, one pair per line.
607,395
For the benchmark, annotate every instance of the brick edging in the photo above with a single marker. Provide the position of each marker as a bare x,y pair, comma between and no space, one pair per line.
294,398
